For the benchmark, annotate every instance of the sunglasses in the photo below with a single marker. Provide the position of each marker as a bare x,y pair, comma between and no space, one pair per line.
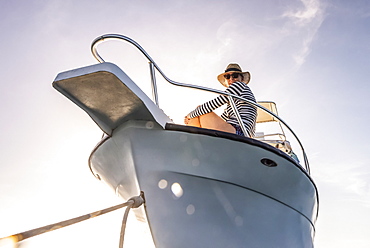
234,75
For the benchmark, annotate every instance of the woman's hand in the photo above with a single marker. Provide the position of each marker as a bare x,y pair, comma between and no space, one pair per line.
187,119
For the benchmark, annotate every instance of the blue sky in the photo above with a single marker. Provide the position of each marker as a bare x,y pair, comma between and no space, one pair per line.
311,57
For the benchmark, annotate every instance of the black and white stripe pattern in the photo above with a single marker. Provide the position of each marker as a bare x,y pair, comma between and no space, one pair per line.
247,112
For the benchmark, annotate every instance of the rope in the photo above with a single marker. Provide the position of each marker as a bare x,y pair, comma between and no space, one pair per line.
136,202
133,202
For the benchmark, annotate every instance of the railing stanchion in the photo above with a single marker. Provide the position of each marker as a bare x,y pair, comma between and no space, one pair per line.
237,114
154,83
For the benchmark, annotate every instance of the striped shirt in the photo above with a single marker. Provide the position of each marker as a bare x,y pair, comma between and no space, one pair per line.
247,112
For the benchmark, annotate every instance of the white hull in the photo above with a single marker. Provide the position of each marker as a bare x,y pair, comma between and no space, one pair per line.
226,201
201,190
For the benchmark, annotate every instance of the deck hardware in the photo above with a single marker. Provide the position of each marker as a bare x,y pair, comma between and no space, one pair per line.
268,162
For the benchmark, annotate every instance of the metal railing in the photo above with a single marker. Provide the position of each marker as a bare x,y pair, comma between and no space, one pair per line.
153,66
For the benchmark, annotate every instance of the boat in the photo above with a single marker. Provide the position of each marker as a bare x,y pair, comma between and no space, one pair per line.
202,187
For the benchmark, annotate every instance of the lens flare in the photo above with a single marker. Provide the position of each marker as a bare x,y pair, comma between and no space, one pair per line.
177,190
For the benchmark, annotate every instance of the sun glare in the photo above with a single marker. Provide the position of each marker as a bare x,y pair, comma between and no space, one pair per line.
9,242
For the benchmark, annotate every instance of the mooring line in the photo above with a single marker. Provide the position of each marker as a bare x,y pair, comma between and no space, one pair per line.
133,202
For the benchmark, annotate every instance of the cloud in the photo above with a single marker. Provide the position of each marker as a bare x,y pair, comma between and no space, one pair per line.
305,22
349,177
278,40
311,10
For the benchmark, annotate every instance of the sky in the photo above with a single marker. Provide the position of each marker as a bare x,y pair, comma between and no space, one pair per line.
311,57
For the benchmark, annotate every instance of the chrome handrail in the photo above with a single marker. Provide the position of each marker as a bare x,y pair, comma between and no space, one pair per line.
152,64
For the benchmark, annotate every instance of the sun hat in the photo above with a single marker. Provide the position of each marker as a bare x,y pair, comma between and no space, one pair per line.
234,68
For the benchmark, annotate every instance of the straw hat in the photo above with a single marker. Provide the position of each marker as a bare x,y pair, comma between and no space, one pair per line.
233,68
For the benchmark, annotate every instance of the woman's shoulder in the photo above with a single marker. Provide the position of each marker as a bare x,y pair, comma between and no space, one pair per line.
240,86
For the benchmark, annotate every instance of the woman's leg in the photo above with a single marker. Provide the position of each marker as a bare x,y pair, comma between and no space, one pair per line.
194,122
211,121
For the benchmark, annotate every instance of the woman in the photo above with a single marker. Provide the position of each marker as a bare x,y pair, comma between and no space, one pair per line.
236,82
